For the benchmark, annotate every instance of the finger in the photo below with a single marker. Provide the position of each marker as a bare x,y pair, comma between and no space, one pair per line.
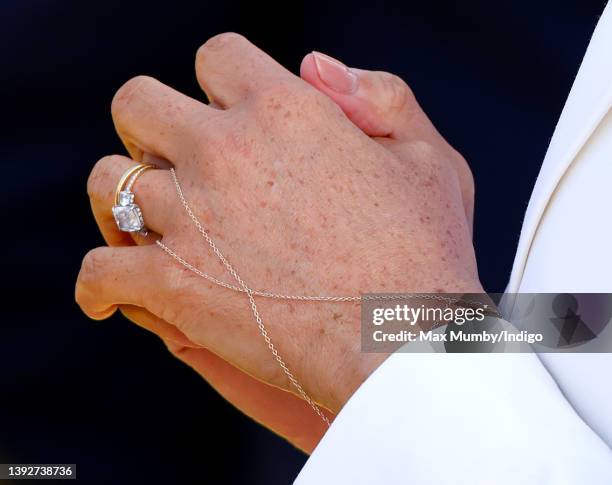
152,117
382,105
153,191
281,411
116,276
229,68
379,103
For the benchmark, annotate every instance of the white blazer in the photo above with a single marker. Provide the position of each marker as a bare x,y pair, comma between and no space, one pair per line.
513,418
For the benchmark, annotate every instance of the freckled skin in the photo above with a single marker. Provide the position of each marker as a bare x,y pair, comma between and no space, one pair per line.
290,231
370,221
301,202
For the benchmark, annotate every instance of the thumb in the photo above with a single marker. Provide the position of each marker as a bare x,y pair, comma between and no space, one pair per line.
379,103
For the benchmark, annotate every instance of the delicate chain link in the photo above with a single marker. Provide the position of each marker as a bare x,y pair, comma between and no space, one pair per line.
279,296
251,293
340,299
248,291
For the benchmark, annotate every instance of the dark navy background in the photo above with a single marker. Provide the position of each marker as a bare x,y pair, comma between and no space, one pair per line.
492,75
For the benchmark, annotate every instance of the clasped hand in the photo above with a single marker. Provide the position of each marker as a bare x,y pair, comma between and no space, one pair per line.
332,183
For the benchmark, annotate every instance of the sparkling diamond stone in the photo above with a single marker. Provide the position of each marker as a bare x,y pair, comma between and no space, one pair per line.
128,218
126,198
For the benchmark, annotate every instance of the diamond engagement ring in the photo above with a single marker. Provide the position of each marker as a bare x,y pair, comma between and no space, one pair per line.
128,215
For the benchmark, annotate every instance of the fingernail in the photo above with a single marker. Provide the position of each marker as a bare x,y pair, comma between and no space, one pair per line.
334,74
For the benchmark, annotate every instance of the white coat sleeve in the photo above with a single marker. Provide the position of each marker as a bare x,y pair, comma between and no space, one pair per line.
459,419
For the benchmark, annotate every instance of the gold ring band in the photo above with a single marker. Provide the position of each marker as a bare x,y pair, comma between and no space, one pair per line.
126,176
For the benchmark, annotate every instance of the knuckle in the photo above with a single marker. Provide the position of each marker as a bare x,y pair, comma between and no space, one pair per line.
433,164
177,281
218,42
420,150
274,102
126,94
427,158
188,303
440,166
398,94
101,173
208,133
